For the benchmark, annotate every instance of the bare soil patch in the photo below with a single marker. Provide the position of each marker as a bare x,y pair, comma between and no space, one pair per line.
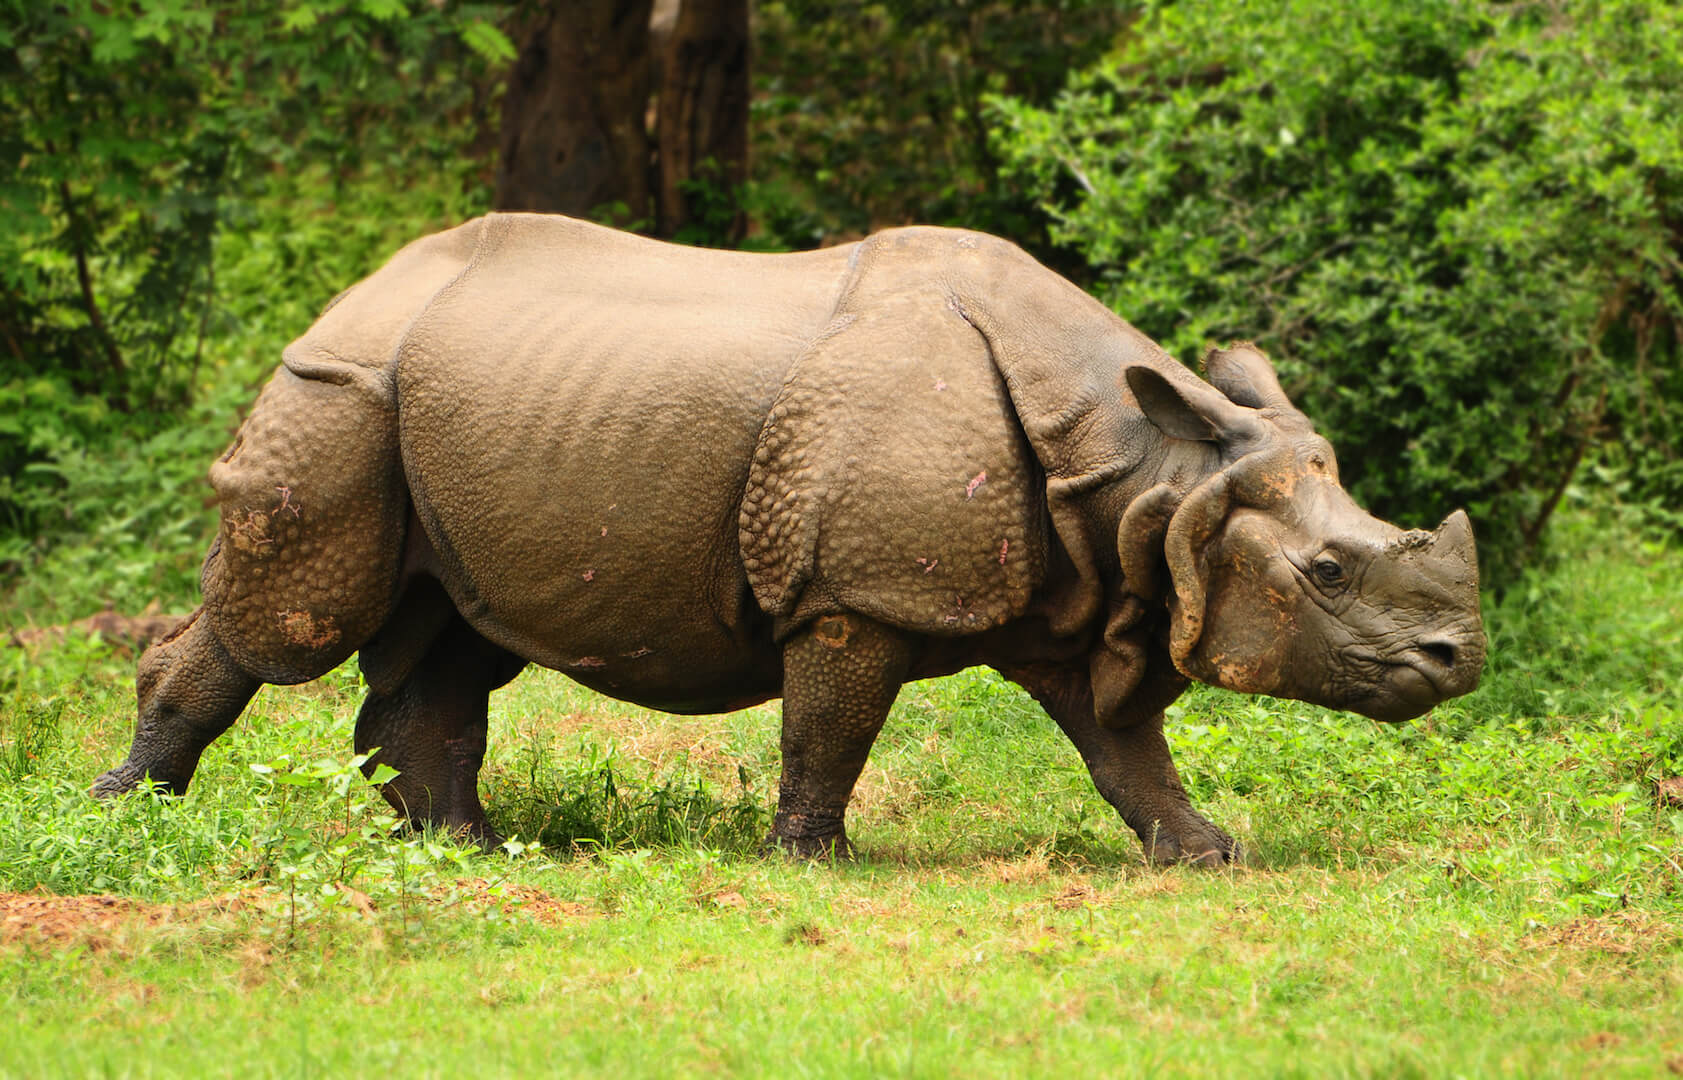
102,922
97,921
1620,933
528,900
128,634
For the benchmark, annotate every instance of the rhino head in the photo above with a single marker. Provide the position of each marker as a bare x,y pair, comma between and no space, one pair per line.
1283,585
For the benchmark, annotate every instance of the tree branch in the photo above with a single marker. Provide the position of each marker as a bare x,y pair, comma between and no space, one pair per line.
113,358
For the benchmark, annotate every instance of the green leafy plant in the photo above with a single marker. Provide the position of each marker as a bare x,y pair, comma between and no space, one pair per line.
137,133
1454,226
593,805
872,113
331,846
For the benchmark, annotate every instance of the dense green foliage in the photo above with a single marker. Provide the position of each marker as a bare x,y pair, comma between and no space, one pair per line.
874,114
1456,227
136,135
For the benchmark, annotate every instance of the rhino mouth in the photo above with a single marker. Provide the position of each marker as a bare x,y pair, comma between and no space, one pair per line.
1401,689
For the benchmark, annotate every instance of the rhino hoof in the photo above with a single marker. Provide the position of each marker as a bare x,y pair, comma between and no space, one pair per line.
118,781
835,847
1214,850
1216,858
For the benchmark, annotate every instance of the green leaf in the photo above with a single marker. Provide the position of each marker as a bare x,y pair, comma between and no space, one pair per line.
488,41
382,10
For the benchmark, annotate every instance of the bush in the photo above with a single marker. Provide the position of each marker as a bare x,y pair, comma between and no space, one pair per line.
871,114
1454,226
138,134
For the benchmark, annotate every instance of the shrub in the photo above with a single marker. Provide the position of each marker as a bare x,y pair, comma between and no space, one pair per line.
1454,226
136,133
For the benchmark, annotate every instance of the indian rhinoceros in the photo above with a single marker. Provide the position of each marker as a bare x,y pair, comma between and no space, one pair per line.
699,480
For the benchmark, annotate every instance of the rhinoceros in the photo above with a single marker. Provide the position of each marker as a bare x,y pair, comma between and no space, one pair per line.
699,480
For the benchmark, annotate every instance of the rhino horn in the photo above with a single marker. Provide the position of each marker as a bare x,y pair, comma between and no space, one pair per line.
1455,536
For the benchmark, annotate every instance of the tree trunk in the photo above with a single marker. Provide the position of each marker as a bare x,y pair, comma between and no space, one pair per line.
702,122
575,131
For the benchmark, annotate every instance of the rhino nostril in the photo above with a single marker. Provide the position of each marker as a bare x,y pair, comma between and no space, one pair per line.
1441,653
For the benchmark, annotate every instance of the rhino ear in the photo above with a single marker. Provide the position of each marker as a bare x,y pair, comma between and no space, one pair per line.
1188,408
1245,374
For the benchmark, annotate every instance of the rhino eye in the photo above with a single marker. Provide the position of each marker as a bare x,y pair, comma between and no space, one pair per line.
1328,573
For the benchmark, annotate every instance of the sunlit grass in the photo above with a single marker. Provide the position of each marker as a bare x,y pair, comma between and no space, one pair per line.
1492,890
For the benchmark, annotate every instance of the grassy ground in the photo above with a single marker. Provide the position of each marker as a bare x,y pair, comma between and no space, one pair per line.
1492,890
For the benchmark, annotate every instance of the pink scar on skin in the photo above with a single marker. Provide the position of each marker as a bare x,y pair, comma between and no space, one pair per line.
975,482
927,564
588,575
1004,546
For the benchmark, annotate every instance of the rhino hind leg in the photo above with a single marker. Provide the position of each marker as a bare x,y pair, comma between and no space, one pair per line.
307,563
430,678
189,691
304,568
840,677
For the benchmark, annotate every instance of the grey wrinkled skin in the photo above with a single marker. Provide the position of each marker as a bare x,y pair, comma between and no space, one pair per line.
702,479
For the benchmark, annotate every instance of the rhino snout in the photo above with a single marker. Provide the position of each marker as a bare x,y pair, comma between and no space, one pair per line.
1432,670
1451,664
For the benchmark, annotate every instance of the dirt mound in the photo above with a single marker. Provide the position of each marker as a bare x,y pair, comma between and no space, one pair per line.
69,918
533,902
95,921
98,921
127,633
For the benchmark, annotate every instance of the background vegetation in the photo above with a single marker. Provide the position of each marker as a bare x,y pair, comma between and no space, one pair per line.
1457,227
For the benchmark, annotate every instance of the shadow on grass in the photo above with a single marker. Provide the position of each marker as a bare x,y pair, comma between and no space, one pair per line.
597,806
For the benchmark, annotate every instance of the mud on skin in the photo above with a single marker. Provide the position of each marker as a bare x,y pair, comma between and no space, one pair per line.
699,479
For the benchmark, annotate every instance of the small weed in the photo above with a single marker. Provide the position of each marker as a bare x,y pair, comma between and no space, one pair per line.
593,805
330,845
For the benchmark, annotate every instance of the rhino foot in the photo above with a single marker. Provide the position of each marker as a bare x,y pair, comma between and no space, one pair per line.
1202,845
488,839
479,833
118,781
835,850
788,838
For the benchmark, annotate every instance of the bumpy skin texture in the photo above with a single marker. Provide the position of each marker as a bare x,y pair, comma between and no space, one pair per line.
700,479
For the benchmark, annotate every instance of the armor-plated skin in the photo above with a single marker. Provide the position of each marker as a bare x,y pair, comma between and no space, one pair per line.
701,479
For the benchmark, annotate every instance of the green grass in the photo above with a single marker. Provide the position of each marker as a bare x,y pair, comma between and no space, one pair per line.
1493,890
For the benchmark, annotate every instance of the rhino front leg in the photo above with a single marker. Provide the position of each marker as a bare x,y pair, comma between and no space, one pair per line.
429,724
840,677
1132,769
189,691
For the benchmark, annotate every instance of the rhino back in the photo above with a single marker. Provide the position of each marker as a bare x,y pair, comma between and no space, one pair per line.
577,412
354,338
